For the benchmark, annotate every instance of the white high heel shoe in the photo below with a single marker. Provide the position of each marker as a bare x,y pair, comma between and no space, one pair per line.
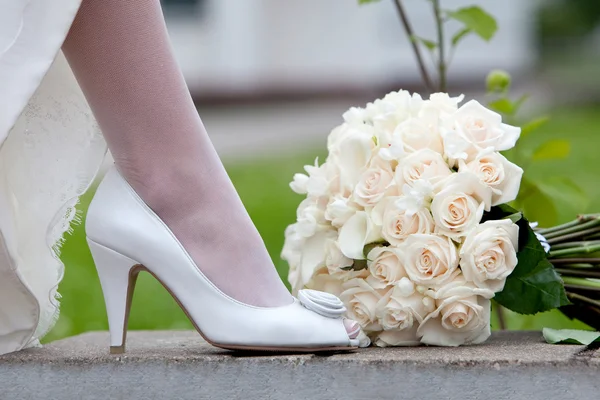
126,237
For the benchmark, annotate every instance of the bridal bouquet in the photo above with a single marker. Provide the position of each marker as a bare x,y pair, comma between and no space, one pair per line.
406,221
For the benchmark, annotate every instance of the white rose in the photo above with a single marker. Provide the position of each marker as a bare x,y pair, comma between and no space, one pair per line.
392,148
363,339
372,186
462,316
339,210
502,176
399,223
438,106
397,337
416,196
394,108
299,183
361,301
458,207
313,256
294,278
475,128
385,266
415,134
355,116
424,165
325,282
488,255
311,217
334,178
292,246
358,231
400,312
317,184
335,260
430,260
350,150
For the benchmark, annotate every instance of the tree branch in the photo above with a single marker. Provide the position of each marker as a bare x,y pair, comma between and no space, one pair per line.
441,46
411,36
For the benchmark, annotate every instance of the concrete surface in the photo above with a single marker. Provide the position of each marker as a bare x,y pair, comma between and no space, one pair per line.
179,365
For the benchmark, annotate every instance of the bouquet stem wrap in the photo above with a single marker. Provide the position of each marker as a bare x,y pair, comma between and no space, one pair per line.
575,254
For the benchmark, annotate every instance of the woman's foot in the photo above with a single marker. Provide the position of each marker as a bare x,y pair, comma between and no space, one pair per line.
125,237
121,56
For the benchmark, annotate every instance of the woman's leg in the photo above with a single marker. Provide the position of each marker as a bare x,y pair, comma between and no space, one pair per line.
122,58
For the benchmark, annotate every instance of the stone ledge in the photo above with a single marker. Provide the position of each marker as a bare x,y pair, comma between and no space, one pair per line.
179,365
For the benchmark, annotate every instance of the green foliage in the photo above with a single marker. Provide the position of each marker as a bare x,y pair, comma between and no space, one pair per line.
502,106
536,204
533,125
570,336
476,20
567,19
540,199
429,44
498,81
534,286
473,20
552,150
460,35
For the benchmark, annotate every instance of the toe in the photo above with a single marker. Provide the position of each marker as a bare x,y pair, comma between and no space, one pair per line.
352,327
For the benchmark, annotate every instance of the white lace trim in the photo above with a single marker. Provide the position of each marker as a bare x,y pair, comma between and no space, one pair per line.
48,160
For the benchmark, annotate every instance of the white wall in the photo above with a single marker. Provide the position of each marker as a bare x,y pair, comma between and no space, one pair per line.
247,45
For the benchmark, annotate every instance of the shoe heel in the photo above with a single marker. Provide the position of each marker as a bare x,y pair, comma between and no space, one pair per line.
118,275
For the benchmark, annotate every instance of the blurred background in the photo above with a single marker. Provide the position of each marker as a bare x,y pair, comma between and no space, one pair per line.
272,78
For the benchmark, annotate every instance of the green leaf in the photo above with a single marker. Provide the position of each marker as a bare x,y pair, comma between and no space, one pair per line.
502,211
460,35
358,265
565,193
431,45
534,286
570,336
516,217
533,125
503,106
552,150
521,101
498,81
536,204
361,2
477,20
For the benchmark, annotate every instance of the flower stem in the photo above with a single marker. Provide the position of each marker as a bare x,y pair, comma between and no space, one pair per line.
578,273
442,68
568,245
411,36
574,251
581,219
583,260
574,235
548,231
582,283
587,225
594,236
584,299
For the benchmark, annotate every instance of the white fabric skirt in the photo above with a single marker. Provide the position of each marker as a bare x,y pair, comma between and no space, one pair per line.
51,150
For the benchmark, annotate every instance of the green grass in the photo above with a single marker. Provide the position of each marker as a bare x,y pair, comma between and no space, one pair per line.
263,186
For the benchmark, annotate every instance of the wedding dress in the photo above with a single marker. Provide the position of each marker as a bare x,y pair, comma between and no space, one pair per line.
51,150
